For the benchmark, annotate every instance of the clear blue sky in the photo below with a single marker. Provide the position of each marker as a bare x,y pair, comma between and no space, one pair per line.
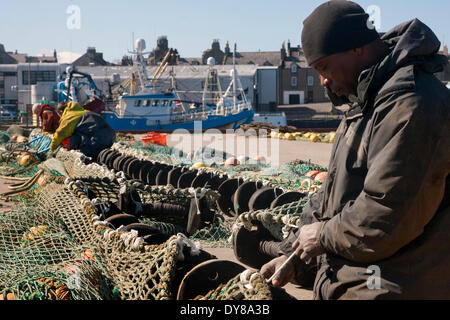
40,26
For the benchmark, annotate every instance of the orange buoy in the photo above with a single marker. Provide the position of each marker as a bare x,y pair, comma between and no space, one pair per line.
21,139
312,174
321,176
232,161
260,159
26,160
43,180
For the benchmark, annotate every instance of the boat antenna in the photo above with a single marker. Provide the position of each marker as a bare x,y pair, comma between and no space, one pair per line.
140,62
234,76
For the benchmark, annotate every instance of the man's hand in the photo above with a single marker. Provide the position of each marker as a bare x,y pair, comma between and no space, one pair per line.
307,244
285,275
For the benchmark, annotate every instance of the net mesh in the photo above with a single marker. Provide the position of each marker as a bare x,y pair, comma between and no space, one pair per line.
54,246
44,257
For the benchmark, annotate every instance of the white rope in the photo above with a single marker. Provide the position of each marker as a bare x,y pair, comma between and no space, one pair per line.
247,277
127,236
182,241
107,234
100,222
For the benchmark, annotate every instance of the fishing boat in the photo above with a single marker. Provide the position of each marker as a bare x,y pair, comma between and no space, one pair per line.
154,109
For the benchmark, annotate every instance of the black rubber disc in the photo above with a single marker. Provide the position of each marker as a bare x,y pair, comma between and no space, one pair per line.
286,197
174,175
143,171
133,168
121,162
116,162
201,180
152,173
243,194
263,197
121,219
246,246
111,157
161,177
186,179
105,155
215,182
143,229
226,191
207,276
101,155
125,162
156,239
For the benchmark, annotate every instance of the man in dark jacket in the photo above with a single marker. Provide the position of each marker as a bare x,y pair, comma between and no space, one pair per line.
379,226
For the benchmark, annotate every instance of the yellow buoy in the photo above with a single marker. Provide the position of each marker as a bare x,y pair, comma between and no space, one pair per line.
314,138
198,165
289,136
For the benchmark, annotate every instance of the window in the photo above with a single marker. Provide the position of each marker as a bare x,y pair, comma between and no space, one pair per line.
155,103
310,81
8,74
294,68
165,103
138,103
294,81
146,103
38,76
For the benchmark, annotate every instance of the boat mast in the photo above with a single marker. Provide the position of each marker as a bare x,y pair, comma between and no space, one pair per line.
141,66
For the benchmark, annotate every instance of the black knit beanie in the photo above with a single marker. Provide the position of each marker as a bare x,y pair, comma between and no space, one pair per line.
335,26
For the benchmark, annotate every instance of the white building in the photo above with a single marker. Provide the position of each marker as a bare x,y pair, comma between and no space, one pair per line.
23,83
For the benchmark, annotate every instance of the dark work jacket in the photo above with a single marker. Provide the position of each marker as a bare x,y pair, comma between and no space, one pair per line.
385,203
91,135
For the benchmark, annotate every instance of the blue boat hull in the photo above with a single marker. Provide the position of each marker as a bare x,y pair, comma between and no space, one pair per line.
231,121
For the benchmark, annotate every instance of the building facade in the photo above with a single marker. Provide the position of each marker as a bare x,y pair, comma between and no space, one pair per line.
298,83
24,84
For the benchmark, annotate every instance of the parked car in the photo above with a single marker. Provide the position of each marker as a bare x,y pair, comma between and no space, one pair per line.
8,114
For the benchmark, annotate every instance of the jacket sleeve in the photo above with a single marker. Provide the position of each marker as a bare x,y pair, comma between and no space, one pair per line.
396,201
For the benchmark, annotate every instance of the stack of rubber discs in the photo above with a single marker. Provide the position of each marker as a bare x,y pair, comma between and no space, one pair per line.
236,195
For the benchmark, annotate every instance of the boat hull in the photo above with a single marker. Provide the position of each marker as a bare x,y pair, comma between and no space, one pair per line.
230,121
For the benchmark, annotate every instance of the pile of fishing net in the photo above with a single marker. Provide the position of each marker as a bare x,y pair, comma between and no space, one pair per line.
54,245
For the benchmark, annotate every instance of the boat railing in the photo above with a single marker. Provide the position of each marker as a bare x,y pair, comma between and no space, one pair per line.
191,115
203,114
